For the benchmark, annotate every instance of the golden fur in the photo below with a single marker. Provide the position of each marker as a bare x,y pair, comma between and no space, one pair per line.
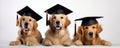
27,36
82,37
57,37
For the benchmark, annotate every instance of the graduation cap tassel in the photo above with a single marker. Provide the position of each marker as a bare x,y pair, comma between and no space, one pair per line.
47,22
17,17
75,29
17,22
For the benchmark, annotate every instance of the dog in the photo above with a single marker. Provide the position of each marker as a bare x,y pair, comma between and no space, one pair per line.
89,35
58,33
28,33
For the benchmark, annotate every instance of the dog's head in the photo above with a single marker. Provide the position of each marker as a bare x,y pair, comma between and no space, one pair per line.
27,23
59,21
90,32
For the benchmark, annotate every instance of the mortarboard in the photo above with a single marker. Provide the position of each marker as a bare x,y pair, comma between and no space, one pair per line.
57,9
27,11
87,21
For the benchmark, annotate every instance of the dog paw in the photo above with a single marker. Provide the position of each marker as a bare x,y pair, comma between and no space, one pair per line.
108,43
67,43
47,43
15,43
78,43
30,43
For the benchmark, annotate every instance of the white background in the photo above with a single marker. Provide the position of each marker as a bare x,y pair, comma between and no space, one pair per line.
109,9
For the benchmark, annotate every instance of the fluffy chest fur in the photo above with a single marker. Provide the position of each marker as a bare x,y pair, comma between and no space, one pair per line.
57,37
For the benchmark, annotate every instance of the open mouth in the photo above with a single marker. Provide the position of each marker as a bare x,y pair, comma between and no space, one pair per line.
26,29
58,27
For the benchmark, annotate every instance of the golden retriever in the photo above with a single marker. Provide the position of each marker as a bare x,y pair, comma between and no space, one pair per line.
89,35
28,33
58,33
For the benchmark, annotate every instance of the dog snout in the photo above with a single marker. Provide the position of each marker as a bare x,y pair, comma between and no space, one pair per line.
26,24
57,22
91,34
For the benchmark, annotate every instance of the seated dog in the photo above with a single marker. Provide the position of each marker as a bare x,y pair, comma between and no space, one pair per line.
88,33
28,33
57,34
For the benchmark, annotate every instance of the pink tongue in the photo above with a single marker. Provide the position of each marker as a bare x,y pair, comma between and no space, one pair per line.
26,28
57,28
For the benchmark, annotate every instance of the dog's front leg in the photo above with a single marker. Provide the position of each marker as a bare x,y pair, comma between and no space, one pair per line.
14,43
31,41
106,43
78,42
47,42
67,42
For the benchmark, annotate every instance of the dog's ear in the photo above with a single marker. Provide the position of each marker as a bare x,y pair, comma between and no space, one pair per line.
35,25
80,30
67,22
99,28
20,22
79,34
51,24
50,21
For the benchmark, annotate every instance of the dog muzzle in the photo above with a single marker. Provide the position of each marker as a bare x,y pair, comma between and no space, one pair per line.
58,27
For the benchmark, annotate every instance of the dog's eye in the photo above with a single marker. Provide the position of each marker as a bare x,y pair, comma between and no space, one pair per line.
23,19
54,17
61,17
86,27
93,27
30,20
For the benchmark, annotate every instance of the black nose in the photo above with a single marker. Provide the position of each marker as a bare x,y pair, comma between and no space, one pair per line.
57,22
91,33
26,24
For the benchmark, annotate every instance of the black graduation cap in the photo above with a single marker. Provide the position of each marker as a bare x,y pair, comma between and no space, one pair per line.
27,11
57,9
87,21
